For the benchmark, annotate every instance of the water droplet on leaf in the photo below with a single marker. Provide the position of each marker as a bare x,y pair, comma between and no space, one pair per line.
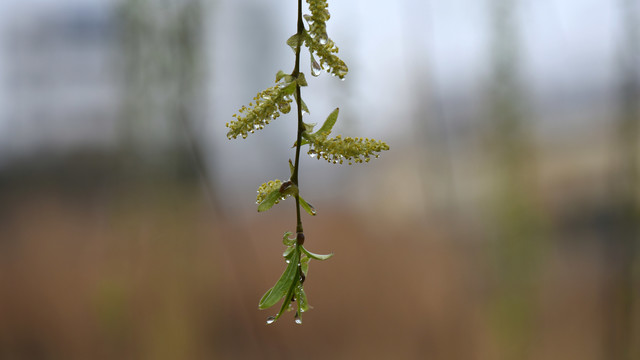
271,320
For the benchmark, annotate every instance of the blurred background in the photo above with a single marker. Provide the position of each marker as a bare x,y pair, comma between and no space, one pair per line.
503,224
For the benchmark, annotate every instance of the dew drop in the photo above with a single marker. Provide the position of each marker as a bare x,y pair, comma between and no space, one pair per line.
287,261
298,320
315,67
271,320
323,38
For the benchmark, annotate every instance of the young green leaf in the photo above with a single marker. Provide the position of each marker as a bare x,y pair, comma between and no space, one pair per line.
308,128
325,130
302,104
287,253
304,265
289,89
291,167
315,256
269,200
307,207
302,81
295,40
301,297
287,240
284,284
265,296
286,304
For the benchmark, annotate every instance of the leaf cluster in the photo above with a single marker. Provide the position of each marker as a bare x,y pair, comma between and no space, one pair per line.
289,286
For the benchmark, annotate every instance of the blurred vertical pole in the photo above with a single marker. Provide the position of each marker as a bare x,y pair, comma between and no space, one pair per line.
432,138
189,37
163,88
161,47
622,332
516,232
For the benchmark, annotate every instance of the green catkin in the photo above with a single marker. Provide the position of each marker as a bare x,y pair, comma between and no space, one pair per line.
269,104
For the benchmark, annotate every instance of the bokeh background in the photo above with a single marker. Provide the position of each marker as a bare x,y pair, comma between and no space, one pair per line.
503,223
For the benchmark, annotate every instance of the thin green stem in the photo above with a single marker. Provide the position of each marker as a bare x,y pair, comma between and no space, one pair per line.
296,72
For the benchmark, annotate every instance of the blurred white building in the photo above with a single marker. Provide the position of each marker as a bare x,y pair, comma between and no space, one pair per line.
97,74
59,83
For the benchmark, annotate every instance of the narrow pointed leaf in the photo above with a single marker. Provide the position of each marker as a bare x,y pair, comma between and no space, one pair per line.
301,298
284,284
302,104
304,265
325,130
315,256
307,207
269,200
266,295
291,167
280,75
286,304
